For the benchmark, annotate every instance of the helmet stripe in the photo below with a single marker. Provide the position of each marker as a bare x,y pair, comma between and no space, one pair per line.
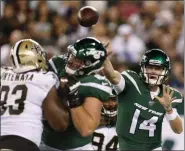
16,59
13,59
17,50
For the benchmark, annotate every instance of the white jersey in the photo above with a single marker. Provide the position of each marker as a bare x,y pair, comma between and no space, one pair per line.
105,138
22,96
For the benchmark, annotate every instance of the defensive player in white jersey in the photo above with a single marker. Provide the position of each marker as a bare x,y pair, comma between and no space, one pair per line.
105,136
28,94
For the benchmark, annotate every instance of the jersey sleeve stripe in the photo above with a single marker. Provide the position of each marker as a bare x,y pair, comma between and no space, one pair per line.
98,86
177,101
132,80
53,65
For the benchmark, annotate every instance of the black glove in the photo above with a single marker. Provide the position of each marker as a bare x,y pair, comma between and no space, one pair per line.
73,99
68,91
65,84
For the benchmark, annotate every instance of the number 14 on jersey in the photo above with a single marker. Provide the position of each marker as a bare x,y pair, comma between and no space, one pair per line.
145,125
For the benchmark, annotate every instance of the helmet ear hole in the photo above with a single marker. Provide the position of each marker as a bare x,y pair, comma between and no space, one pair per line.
40,61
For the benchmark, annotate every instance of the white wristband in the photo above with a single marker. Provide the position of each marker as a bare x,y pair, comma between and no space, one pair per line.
120,86
172,116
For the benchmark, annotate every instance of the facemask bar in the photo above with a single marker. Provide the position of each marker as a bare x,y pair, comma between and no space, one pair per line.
109,113
71,53
73,71
112,112
160,80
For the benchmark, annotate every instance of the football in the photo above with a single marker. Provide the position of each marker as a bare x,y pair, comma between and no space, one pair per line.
87,16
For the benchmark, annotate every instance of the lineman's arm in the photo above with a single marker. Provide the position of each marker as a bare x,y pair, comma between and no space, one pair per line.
54,111
86,117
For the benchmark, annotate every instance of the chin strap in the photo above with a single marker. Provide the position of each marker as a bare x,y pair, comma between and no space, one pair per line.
159,81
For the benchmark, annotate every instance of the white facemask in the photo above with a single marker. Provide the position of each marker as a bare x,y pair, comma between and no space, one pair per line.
153,81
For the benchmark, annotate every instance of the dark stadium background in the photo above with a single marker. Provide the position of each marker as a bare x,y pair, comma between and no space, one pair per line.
156,24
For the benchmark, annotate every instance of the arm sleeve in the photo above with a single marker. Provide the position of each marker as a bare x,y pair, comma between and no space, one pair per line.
128,78
120,86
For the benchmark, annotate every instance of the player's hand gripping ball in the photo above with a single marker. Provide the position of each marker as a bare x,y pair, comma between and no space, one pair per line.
87,16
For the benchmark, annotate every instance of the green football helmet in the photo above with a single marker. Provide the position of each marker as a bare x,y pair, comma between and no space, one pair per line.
90,52
155,57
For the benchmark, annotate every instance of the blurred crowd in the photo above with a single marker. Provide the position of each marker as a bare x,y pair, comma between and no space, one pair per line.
130,27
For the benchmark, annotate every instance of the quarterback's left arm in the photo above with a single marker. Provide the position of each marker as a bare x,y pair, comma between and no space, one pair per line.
171,113
174,120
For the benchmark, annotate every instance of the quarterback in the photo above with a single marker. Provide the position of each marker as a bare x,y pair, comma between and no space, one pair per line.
28,94
143,101
84,57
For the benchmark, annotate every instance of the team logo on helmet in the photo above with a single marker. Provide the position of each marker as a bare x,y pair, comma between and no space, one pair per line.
85,57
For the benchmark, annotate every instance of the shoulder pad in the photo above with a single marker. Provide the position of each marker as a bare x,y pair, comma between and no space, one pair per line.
129,72
91,86
132,78
49,78
57,64
178,96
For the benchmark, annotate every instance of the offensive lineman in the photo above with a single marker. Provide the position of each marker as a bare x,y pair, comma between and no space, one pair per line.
143,101
84,58
28,93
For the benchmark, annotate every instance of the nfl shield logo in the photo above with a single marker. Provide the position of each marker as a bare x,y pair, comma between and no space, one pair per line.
151,102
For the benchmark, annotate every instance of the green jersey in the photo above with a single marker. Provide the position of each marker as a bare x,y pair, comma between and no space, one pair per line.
90,86
139,121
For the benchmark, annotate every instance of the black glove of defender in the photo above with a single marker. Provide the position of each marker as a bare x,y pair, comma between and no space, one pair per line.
73,99
69,92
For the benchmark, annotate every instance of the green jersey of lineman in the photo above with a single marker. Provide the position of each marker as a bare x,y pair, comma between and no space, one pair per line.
90,86
139,122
